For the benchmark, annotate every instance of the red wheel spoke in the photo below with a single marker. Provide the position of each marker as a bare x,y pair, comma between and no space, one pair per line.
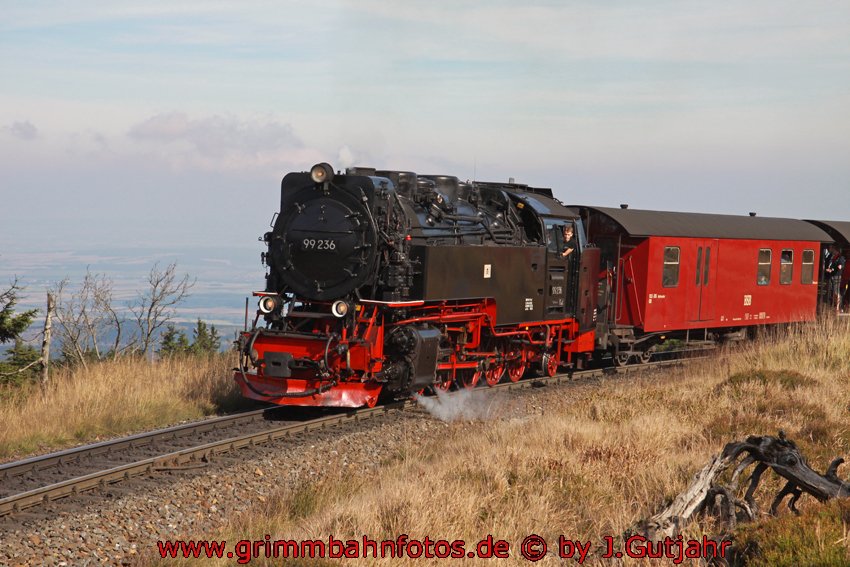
494,374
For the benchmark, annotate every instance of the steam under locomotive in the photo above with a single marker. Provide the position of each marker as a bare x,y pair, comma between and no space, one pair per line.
384,283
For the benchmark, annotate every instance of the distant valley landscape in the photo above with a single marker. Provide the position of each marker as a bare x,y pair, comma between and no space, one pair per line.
224,277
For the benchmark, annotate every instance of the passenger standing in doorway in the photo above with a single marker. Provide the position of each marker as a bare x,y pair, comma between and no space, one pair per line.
834,269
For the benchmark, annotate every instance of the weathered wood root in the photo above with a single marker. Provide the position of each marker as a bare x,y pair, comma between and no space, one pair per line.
706,494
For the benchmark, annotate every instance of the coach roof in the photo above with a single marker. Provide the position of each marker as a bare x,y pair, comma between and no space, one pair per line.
838,230
638,222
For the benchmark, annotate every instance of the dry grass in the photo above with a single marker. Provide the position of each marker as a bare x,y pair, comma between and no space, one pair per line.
819,537
113,398
592,460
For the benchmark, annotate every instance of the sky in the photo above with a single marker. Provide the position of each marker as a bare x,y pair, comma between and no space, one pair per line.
171,123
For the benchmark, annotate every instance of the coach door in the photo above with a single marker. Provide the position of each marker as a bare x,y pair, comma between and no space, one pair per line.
705,280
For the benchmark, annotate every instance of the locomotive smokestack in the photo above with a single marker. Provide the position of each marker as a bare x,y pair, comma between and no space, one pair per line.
624,205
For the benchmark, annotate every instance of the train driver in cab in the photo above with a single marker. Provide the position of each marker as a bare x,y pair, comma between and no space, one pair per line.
569,240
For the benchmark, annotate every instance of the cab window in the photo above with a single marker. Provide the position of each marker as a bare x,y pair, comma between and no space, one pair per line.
558,241
556,238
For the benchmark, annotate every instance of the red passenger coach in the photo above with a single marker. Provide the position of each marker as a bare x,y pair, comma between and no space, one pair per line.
694,275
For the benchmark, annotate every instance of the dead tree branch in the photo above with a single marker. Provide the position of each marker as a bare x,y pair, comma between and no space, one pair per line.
22,369
706,494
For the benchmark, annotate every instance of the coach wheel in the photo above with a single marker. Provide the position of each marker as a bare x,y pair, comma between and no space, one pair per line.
494,374
469,377
549,364
645,357
621,358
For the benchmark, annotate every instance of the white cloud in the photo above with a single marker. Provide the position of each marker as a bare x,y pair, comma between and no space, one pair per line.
25,130
215,136
220,142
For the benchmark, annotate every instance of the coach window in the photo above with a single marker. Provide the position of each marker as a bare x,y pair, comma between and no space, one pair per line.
786,267
670,275
699,263
807,273
763,277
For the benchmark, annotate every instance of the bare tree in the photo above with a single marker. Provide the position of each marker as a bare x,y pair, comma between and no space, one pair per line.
85,317
156,306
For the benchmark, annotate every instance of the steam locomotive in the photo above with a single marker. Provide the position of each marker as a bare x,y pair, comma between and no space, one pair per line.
384,283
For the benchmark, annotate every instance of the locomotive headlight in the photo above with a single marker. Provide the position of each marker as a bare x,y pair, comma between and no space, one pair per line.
269,304
321,172
340,308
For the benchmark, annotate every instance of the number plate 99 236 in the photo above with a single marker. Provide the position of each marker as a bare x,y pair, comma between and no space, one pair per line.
318,244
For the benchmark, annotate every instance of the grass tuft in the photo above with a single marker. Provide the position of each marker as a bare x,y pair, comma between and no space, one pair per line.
819,536
785,379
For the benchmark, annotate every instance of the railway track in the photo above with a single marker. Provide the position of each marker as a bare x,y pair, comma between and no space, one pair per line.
42,479
36,472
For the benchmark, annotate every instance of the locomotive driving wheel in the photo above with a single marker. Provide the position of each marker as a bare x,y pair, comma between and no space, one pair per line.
444,380
516,365
494,373
469,377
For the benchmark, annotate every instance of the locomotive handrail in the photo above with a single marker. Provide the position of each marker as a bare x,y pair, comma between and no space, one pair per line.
412,303
634,291
295,334
618,292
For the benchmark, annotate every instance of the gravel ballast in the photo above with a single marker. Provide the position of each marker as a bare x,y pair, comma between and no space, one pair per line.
121,524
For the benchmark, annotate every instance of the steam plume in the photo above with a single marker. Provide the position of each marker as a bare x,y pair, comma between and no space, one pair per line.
459,405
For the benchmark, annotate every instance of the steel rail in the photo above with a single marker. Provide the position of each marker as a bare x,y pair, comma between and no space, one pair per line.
74,486
174,460
41,462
